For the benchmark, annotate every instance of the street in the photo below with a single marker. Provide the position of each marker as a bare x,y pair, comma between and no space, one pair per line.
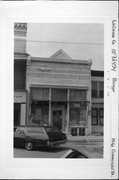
92,150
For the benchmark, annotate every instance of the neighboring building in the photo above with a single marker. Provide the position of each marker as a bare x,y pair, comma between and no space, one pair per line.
20,58
97,102
59,93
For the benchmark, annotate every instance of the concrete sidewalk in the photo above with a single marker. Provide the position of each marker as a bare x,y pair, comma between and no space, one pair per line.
92,146
85,138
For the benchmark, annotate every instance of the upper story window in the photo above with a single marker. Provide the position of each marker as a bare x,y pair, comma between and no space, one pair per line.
97,89
101,89
98,116
19,75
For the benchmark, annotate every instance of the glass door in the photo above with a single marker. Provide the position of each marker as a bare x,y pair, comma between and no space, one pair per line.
57,118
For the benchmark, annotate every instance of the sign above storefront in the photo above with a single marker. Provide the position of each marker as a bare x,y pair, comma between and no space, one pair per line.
19,97
68,73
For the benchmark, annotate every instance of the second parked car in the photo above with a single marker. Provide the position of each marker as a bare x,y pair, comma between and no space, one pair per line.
30,137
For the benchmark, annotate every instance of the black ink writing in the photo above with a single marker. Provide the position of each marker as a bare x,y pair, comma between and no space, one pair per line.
113,28
114,64
113,87
113,157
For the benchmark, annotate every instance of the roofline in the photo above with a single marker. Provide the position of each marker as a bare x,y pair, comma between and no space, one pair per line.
97,73
67,61
60,51
22,56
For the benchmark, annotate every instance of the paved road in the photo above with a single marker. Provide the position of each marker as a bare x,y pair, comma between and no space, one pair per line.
56,152
95,150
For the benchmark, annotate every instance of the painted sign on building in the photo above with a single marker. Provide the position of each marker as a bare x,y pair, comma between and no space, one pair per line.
19,97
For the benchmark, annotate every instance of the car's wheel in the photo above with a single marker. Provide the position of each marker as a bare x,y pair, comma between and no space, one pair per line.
29,145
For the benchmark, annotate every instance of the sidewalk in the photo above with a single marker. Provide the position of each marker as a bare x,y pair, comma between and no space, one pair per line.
85,138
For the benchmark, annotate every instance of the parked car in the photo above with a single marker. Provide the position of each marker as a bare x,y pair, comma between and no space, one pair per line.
30,137
73,153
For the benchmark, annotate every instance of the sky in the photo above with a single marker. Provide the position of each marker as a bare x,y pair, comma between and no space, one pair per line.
79,41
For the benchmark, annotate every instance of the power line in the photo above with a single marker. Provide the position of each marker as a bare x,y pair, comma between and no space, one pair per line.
98,44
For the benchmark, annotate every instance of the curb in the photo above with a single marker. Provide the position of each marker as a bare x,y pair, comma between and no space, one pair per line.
84,139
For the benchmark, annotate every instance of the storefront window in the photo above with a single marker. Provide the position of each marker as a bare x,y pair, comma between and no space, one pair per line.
40,99
83,115
74,116
101,116
77,114
39,113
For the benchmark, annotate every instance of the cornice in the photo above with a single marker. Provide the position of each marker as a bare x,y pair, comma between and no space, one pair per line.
70,61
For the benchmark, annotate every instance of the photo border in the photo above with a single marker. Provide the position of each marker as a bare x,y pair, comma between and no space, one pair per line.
68,168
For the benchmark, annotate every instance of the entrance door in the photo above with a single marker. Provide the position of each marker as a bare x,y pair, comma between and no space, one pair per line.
17,114
57,118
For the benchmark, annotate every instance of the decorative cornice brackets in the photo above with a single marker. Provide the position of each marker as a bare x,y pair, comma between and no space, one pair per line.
20,29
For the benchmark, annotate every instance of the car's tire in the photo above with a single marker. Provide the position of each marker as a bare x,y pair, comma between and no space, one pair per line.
28,145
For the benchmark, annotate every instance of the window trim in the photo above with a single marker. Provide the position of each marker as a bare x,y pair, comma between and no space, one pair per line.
98,89
101,124
95,124
98,117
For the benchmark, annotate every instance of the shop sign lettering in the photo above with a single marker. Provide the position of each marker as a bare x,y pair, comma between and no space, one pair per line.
19,97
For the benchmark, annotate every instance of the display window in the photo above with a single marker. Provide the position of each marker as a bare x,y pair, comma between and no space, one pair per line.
77,114
39,113
101,118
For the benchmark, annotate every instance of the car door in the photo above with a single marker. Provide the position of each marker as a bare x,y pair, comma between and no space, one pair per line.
37,133
19,137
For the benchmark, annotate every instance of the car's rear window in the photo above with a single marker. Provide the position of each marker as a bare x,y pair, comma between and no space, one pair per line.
53,129
35,130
